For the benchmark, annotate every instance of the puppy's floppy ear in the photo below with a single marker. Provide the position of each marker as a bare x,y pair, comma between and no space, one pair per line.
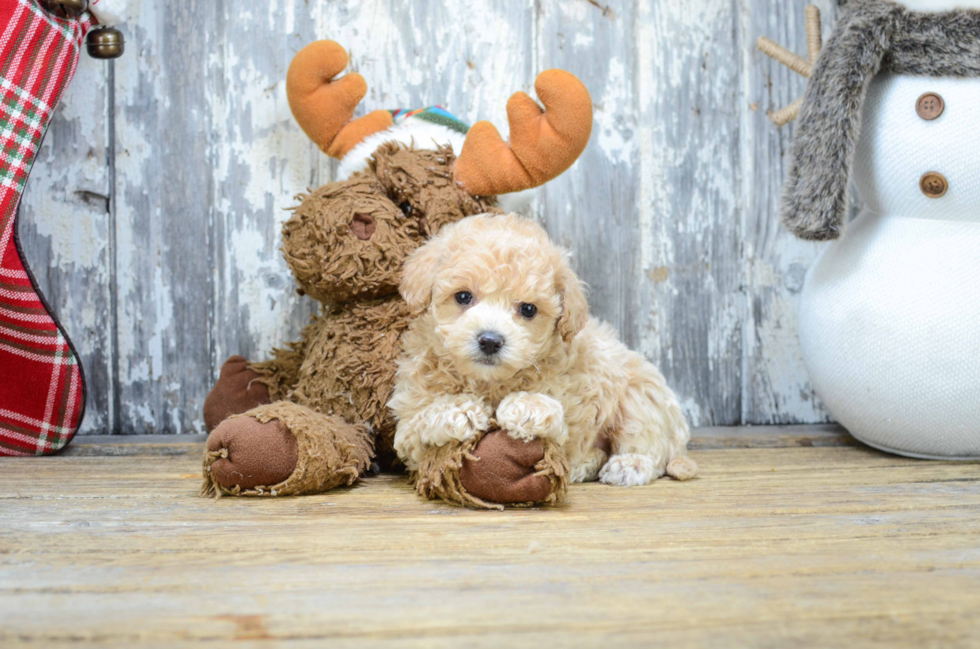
574,308
418,273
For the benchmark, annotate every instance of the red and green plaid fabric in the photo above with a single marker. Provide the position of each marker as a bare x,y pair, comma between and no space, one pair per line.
42,390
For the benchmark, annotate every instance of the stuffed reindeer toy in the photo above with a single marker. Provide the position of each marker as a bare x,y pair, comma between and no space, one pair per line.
314,416
889,313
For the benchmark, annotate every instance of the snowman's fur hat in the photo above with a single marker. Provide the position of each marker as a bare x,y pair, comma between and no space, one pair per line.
870,36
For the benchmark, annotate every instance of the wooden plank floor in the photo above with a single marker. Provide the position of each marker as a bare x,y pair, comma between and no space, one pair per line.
813,541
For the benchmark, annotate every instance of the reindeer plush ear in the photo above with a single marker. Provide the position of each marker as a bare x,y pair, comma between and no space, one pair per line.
574,307
419,271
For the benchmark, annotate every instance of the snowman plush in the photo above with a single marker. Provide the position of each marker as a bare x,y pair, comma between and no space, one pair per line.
889,319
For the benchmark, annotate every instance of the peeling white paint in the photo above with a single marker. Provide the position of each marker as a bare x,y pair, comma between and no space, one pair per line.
671,211
614,135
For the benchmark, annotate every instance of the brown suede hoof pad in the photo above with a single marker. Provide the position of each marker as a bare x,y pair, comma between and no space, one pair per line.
237,390
504,470
252,453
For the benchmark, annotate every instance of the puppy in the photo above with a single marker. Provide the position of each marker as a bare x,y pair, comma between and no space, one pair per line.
504,332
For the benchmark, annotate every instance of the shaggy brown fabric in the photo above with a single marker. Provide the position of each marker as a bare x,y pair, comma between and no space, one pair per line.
281,373
501,470
329,451
419,181
346,243
324,244
441,474
239,388
256,453
330,262
349,369
345,362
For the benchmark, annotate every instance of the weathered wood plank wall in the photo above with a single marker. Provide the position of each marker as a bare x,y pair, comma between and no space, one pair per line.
152,216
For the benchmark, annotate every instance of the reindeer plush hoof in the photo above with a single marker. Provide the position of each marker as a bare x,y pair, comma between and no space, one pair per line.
239,389
284,449
244,453
494,471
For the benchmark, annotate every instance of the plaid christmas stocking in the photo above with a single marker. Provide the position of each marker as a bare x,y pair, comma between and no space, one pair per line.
42,390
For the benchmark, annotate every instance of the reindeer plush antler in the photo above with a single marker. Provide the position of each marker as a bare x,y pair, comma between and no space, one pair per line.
795,63
323,106
543,143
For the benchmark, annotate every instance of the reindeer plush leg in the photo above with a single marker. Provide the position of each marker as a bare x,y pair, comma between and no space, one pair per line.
494,471
239,389
284,449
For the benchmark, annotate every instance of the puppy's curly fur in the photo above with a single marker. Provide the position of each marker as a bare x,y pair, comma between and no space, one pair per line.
548,370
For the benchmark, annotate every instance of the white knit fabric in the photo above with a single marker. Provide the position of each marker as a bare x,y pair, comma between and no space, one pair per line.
426,135
890,314
411,132
109,12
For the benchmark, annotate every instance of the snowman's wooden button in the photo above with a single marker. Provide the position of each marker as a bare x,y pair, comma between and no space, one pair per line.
930,106
933,184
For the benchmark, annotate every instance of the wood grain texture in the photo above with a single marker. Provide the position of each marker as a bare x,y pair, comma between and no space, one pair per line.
261,161
775,384
591,209
689,193
802,547
65,228
164,154
671,213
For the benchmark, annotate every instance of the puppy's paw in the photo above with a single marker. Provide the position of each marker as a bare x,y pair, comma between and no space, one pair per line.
588,469
682,468
532,415
630,470
460,417
457,417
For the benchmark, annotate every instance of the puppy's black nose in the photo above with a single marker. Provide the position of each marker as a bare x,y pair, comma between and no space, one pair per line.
490,342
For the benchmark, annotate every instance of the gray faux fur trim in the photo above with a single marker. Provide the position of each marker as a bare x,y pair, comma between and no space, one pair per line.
870,36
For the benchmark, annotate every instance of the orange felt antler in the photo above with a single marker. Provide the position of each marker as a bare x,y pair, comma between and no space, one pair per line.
323,106
543,144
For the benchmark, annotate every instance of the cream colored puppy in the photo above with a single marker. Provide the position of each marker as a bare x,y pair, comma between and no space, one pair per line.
504,332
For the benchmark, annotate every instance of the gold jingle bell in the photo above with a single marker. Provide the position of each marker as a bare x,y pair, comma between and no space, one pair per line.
105,43
65,8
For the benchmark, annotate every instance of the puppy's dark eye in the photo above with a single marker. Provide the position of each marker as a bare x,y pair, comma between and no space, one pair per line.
464,298
528,310
406,208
